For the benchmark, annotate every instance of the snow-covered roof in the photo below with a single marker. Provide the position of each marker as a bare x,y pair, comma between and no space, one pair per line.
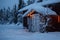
40,4
39,8
26,12
42,10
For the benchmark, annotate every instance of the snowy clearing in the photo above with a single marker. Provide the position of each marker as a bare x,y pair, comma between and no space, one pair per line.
15,32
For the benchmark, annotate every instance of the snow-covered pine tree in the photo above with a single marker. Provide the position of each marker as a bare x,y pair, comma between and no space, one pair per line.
14,14
21,4
5,18
9,15
1,16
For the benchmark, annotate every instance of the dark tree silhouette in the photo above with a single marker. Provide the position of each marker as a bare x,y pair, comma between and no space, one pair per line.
21,4
14,14
1,15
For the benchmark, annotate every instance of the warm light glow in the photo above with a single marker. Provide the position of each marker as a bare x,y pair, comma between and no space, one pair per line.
30,14
58,18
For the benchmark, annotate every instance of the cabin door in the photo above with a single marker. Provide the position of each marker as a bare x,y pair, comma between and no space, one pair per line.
36,22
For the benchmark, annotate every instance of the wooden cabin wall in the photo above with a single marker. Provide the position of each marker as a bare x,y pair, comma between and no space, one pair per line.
55,23
59,19
54,19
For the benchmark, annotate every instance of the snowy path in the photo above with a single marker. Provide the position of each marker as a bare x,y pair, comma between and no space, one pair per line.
14,32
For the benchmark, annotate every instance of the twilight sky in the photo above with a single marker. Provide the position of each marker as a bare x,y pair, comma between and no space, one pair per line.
8,3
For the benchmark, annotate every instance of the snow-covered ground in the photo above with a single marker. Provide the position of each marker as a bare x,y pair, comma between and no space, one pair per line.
16,32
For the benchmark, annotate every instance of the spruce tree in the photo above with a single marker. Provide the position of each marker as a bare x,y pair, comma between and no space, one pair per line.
21,4
14,13
1,16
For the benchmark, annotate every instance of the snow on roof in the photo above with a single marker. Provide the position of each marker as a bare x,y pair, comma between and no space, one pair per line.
40,4
42,10
26,12
39,8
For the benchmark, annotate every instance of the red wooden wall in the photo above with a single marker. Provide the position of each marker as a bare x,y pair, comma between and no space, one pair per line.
59,19
55,19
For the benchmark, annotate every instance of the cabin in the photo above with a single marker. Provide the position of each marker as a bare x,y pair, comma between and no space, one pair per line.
37,21
34,21
40,18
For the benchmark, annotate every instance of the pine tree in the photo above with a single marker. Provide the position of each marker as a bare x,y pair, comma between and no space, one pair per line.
8,14
21,4
4,15
14,14
1,16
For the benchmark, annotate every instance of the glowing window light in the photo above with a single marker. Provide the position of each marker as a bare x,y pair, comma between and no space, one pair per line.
31,14
59,19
